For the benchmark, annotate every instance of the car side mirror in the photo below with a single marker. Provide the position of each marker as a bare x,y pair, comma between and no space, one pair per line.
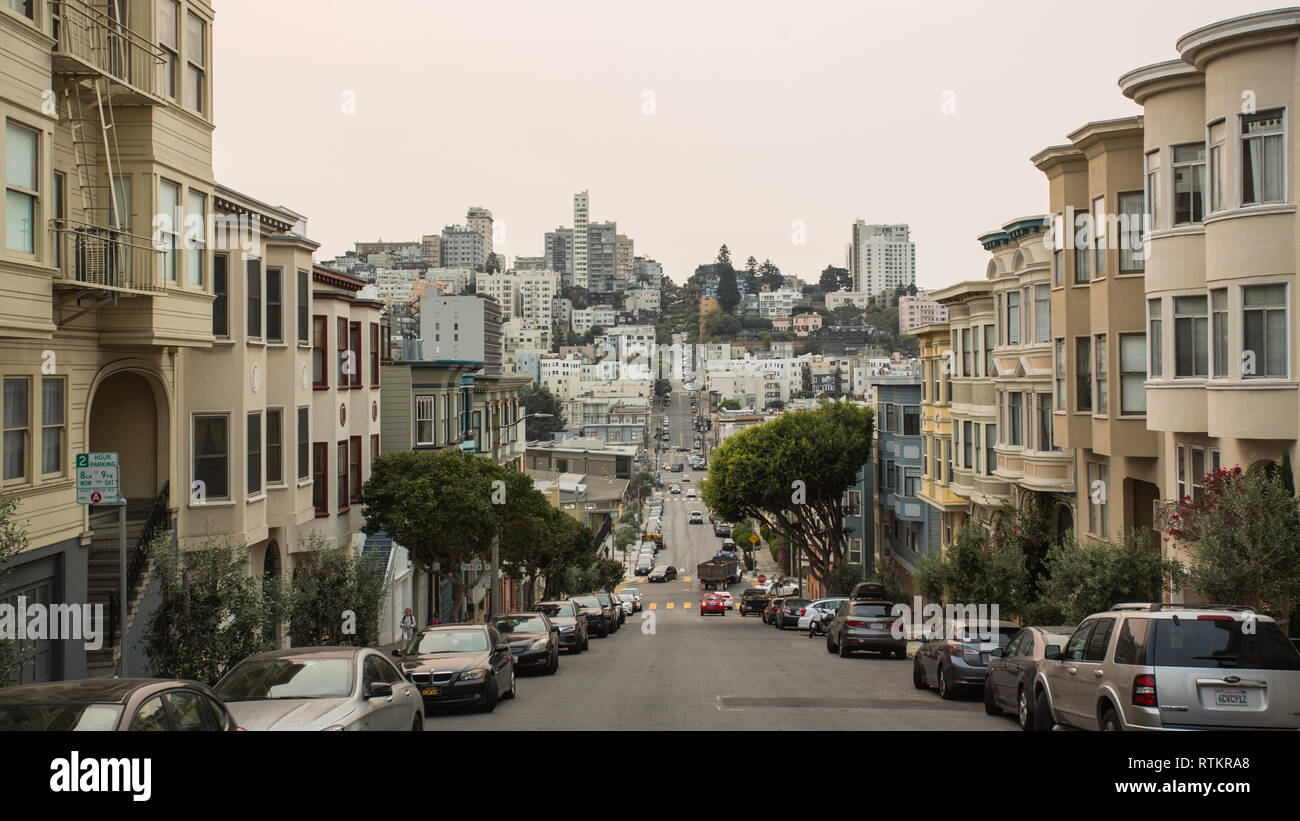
378,689
1053,652
996,652
399,653
503,648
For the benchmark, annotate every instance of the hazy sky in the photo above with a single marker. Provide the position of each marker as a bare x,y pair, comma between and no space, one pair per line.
691,123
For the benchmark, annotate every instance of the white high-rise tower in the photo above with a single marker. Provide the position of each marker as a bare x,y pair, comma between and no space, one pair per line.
581,214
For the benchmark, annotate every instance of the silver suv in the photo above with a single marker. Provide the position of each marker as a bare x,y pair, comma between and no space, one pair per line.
1171,666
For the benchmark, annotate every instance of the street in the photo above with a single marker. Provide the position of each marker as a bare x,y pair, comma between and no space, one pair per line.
671,668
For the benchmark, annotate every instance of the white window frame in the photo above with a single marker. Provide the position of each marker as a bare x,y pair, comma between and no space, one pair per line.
426,403
1285,307
1241,140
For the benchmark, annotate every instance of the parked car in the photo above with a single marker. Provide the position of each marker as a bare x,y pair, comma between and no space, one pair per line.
769,612
754,600
1171,666
727,601
789,612
626,603
644,565
616,615
636,598
460,664
1010,681
321,688
114,704
534,642
663,573
816,607
721,529
957,657
572,623
864,625
697,517
597,615
712,603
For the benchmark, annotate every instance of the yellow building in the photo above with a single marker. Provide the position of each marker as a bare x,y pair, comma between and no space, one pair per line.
936,430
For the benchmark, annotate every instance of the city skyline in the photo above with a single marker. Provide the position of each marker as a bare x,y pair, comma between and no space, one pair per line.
785,128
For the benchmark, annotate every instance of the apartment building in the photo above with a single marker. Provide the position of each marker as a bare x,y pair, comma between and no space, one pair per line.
561,374
776,303
504,288
480,219
496,421
602,240
906,527
462,247
915,311
581,217
623,263
462,328
431,250
936,431
1098,320
562,313
537,290
882,257
805,324
558,254
964,381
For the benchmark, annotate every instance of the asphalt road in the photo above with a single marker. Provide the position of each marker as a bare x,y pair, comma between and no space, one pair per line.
671,668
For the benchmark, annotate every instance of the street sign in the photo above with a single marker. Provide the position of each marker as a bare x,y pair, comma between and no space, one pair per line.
761,578
753,538
97,479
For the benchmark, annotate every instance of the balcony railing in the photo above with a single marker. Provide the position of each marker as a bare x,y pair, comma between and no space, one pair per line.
106,46
101,257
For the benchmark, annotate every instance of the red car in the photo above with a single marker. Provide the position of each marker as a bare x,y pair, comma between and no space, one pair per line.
713,603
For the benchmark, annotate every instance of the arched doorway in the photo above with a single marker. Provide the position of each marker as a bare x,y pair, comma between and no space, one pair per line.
1063,520
129,416
271,578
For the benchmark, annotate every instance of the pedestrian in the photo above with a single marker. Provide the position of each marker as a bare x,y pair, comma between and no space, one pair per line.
408,627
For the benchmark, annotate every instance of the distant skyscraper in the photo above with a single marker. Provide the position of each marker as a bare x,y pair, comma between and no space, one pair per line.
882,258
480,219
462,247
581,215
559,254
623,263
601,241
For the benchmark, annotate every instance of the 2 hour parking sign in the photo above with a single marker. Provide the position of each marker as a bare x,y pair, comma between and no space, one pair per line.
97,479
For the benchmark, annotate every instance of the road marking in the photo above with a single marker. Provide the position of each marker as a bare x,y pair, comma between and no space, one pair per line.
686,579
654,605
668,606
686,606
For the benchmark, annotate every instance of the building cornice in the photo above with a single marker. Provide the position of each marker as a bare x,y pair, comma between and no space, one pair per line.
1140,83
1200,46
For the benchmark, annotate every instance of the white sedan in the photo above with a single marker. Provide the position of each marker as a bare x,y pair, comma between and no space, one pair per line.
691,494
727,602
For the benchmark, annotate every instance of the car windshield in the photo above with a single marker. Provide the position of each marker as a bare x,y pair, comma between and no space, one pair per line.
586,601
272,678
520,624
755,591
631,591
553,610
449,641
604,598
661,569
1189,642
61,717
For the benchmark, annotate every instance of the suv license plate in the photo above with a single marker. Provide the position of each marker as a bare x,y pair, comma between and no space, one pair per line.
1231,697
429,691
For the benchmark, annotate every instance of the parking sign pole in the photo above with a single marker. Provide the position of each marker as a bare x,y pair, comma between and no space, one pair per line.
121,563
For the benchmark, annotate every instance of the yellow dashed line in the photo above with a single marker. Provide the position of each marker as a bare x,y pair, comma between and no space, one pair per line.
654,605
668,606
686,606
686,579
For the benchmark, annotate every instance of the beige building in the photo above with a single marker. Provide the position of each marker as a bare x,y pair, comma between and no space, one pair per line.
1221,263
1099,400
915,311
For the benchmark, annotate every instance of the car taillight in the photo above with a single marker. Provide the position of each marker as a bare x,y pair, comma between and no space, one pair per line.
1218,617
803,610
855,623
1144,691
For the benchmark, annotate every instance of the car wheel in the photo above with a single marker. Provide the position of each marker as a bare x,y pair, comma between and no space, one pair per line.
489,695
418,724
1110,722
555,663
945,685
586,642
900,652
918,676
990,703
1024,713
1042,712
845,652
830,648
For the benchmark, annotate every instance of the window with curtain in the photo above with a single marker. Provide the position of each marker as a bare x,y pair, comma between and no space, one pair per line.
304,300
1217,171
1191,331
1219,332
169,40
1013,317
990,449
1263,164
990,341
1045,422
304,443
195,61
319,345
1189,183
274,305
1263,321
17,426
1132,373
22,161
210,463
1155,324
1151,191
253,275
1099,237
1058,360
254,447
195,237
54,432
1042,313
424,422
169,207
1082,247
1083,373
1015,420
1132,255
1102,369
967,438
275,446
965,352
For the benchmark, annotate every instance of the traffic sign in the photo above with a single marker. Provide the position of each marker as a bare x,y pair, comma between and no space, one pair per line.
97,479
761,578
753,538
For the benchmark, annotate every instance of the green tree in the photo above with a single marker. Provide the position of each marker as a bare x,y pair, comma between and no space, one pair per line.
13,540
729,404
492,264
327,582
975,570
438,505
720,325
212,612
1243,535
537,399
1089,576
792,473
775,404
770,275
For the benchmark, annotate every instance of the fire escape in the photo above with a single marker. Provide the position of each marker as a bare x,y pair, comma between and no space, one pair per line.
100,66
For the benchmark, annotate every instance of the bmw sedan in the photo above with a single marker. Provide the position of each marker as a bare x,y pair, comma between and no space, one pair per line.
460,664
534,641
571,621
663,573
321,688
